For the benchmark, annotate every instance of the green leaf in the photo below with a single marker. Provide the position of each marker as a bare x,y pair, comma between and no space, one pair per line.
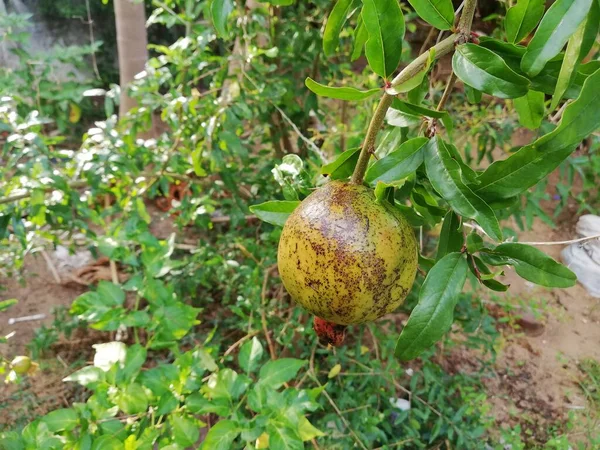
559,23
522,18
434,314
510,177
133,399
546,80
342,166
591,30
401,119
220,11
484,70
134,360
185,430
535,266
400,163
226,384
275,373
415,80
569,66
451,236
530,109
198,404
410,108
473,95
61,420
274,212
307,430
484,271
361,35
474,242
221,436
437,13
445,176
335,22
282,437
111,294
385,24
342,93
250,354
107,442
5,304
206,360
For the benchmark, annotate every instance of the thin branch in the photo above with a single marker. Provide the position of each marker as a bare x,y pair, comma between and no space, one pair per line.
429,37
90,24
238,343
16,197
51,267
571,241
441,49
263,301
339,413
567,242
447,91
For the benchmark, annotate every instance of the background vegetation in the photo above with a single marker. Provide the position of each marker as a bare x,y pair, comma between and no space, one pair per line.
194,343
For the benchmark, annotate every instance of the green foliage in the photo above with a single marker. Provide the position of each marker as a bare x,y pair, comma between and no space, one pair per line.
438,13
210,353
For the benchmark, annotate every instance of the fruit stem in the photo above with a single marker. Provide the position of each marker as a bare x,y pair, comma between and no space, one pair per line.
443,48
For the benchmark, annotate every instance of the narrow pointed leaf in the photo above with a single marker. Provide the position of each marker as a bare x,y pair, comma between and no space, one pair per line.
343,166
398,164
569,64
220,11
484,271
434,314
274,212
591,30
522,18
451,236
535,266
401,119
412,109
384,22
360,38
342,93
335,22
445,176
484,70
510,177
559,23
415,80
546,80
437,13
530,109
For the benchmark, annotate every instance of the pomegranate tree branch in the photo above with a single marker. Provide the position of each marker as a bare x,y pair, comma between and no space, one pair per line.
461,35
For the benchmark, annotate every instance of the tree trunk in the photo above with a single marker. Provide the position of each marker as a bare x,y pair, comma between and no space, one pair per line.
132,46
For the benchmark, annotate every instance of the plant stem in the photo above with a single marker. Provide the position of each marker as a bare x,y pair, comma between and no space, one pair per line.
13,198
447,91
369,143
444,47
466,18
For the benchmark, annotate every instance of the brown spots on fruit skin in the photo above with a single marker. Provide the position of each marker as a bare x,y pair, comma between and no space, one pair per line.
346,258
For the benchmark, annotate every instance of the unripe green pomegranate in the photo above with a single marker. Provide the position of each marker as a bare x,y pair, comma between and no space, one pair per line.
345,257
21,365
